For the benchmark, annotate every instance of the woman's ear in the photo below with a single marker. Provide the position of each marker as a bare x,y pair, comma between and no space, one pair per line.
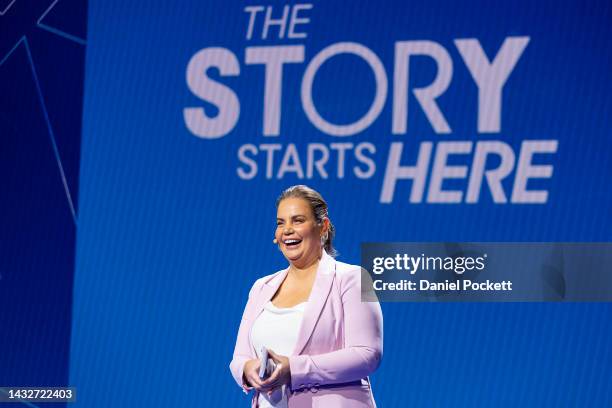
325,228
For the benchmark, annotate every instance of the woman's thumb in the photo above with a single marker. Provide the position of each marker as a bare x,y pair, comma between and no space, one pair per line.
273,355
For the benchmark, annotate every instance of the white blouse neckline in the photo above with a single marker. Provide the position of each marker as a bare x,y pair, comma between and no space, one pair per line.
270,307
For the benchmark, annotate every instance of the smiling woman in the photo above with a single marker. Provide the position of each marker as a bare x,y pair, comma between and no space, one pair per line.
303,226
322,338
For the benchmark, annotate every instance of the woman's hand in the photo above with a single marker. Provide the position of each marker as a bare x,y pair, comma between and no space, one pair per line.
251,373
280,376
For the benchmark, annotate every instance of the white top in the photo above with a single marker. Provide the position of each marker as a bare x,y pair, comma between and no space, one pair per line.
277,329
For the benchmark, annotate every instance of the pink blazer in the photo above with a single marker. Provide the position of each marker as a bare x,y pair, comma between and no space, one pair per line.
339,344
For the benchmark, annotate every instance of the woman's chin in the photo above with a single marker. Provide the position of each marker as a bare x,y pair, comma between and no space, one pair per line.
293,257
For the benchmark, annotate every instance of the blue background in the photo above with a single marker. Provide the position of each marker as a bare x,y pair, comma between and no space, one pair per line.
170,239
42,64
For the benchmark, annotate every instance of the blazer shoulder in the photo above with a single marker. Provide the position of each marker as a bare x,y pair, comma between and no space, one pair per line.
259,283
353,278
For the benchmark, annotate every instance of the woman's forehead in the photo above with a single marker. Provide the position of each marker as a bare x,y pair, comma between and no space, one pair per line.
294,206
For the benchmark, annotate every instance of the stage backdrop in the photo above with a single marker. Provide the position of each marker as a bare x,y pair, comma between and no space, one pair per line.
417,121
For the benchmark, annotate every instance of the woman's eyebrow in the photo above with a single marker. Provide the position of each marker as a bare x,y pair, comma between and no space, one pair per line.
293,217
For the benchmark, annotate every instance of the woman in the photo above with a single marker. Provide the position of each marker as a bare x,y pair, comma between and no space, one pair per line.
322,338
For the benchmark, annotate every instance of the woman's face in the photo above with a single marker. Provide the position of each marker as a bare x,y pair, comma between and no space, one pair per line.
297,232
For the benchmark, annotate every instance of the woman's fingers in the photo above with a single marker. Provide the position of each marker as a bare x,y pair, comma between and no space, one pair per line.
255,382
254,377
273,381
252,373
272,378
274,356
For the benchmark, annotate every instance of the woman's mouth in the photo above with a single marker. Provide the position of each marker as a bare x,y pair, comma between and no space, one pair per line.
292,243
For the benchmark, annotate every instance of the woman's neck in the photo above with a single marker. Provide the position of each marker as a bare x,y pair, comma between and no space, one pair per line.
302,272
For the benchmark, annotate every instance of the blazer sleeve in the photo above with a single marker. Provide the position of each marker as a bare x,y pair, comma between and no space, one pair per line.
362,354
242,348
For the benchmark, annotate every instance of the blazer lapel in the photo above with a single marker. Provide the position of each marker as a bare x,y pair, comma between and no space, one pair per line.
268,290
318,295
